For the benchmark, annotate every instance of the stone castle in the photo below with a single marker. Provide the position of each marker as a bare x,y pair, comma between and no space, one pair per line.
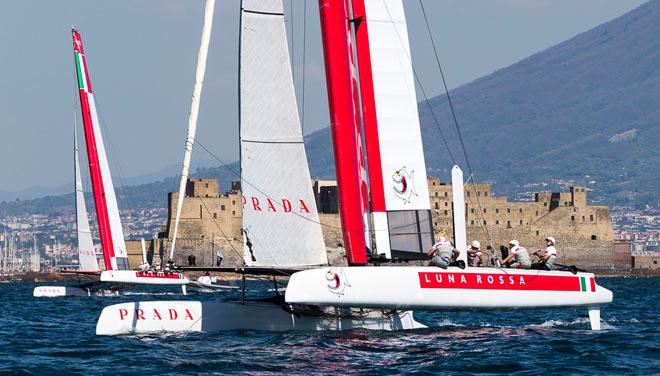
211,221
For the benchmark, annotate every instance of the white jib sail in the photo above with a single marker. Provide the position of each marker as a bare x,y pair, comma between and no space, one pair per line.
194,111
399,135
86,253
120,260
280,219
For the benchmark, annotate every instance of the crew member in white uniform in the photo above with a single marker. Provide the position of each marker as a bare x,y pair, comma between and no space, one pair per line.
519,255
474,254
442,253
547,260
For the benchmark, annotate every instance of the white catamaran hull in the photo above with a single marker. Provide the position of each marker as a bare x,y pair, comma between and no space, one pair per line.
60,291
435,288
195,316
144,278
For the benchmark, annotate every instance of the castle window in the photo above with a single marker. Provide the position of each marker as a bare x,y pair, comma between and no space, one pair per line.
484,211
497,222
445,194
437,205
545,204
478,194
591,217
206,185
471,222
537,213
583,219
433,183
468,194
233,212
520,211
521,221
508,224
233,202
497,210
222,207
215,215
486,193
594,237
471,210
446,212
537,232
436,194
435,223
508,210
446,203
572,218
484,222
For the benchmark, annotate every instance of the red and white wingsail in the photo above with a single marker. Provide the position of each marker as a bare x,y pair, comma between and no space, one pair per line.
86,253
107,212
397,172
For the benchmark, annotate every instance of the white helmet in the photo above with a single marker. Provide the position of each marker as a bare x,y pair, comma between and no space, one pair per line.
476,244
514,243
550,239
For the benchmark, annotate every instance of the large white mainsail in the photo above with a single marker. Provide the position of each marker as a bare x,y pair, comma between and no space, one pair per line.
194,110
280,219
86,252
399,192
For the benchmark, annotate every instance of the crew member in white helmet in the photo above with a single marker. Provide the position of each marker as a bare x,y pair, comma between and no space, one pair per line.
519,255
474,254
442,253
547,259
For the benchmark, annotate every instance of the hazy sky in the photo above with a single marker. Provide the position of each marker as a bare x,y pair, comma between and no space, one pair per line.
141,56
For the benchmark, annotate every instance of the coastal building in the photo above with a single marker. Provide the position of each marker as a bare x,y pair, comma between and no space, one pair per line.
211,221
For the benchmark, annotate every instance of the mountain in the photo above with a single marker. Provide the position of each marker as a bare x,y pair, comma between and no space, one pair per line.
586,110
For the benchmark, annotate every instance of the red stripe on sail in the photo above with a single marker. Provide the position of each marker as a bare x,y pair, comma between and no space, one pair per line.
499,281
336,45
369,107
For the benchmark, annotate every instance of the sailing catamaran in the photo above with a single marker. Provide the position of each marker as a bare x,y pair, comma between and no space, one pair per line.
115,257
282,233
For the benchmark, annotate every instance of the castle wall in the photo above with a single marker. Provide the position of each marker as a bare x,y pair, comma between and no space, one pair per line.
584,232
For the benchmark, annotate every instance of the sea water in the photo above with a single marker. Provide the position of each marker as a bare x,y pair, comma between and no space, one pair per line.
57,336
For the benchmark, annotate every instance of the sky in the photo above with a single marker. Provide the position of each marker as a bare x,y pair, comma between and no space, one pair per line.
142,54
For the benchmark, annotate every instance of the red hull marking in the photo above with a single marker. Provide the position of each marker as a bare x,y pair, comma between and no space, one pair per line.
158,275
593,284
492,281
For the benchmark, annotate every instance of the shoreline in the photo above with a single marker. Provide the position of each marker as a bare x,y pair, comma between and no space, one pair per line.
39,277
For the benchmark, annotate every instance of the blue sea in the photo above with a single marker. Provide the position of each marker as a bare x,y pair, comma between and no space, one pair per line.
56,336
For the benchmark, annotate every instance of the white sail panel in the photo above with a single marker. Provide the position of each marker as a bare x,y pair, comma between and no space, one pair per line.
120,259
399,135
280,219
86,252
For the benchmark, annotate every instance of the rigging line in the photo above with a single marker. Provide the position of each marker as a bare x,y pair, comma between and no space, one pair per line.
302,120
484,228
421,87
221,232
279,204
453,114
293,55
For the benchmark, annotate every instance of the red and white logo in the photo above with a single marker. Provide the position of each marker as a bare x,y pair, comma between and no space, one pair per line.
404,184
